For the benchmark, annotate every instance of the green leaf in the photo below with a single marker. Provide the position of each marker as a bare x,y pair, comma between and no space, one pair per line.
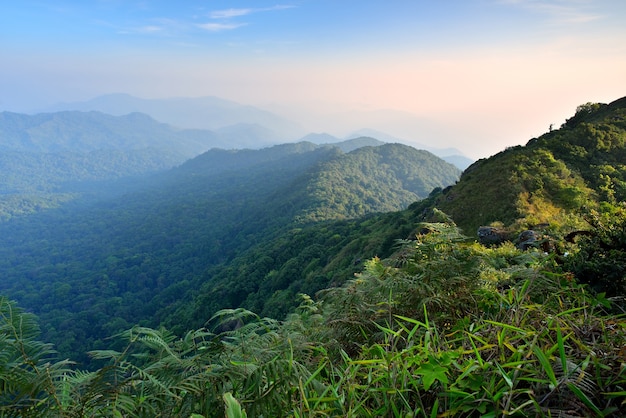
233,408
579,393
545,363
431,372
506,377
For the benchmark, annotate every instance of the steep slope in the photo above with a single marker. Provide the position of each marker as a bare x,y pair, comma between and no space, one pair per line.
362,181
92,272
550,179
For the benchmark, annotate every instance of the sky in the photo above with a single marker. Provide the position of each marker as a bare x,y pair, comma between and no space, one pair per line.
481,74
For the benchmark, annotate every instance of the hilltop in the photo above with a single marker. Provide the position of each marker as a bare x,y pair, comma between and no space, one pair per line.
548,181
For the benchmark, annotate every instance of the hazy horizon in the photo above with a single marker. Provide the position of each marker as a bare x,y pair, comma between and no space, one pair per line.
485,74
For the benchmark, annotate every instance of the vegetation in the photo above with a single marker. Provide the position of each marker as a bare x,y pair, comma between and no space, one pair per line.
445,327
185,291
92,270
549,180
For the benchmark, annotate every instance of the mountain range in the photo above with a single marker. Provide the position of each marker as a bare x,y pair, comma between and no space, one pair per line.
342,279
244,126
147,245
208,113
253,228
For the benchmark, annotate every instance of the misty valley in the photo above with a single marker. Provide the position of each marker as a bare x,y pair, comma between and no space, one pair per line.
198,258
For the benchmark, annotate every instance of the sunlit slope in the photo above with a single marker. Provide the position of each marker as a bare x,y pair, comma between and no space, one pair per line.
550,179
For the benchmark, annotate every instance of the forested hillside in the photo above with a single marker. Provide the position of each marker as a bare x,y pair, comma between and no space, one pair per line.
395,316
444,327
95,270
549,180
50,159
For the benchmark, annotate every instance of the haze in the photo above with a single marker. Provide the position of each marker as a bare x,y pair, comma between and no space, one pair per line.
480,74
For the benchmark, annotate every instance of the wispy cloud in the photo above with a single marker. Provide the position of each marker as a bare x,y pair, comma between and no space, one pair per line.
218,27
229,13
156,26
226,14
221,20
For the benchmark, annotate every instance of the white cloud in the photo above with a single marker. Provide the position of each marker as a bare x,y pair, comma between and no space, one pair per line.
228,13
218,27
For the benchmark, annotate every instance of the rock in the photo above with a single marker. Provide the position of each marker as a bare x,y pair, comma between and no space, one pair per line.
527,239
490,235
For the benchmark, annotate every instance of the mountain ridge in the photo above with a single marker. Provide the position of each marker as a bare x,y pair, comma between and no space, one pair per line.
152,245
207,112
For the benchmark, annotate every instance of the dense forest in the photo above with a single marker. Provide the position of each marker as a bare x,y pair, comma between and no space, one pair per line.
94,269
319,298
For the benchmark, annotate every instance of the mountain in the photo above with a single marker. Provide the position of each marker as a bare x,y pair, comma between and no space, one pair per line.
460,161
80,132
550,181
405,313
209,112
94,270
345,145
450,155
51,158
248,135
371,137
320,138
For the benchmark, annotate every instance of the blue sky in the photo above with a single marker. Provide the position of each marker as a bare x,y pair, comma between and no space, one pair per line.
502,70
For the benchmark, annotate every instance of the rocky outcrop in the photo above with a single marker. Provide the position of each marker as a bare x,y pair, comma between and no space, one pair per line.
491,235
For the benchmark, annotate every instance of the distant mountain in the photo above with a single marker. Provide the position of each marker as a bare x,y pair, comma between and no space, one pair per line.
49,158
248,135
345,145
371,137
320,138
192,113
450,155
382,136
343,120
78,132
459,161
356,143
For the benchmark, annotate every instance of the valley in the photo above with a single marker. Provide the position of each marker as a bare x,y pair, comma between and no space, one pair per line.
297,264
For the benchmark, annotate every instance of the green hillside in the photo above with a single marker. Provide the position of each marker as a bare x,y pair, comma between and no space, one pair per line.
96,269
50,159
445,327
550,179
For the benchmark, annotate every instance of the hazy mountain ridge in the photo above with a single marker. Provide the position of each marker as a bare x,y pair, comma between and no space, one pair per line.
152,246
244,126
75,131
47,158
210,113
